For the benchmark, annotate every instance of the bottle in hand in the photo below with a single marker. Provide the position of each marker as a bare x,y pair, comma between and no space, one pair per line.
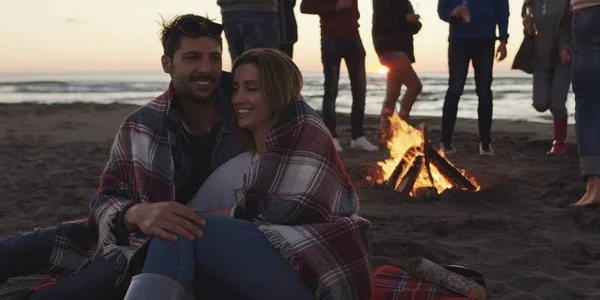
467,17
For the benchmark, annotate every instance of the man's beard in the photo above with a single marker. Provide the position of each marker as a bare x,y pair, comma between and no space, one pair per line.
200,100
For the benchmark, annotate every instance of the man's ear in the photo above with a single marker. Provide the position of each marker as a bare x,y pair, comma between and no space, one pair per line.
166,64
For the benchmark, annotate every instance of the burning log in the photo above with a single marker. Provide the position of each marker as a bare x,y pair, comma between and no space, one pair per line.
415,167
408,181
429,157
450,172
428,193
393,180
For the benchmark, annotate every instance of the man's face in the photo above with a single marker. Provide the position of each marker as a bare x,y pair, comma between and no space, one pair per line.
195,68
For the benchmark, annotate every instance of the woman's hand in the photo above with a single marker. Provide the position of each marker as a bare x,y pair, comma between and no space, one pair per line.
412,18
565,56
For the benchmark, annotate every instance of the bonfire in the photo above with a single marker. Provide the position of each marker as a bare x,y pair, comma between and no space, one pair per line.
415,166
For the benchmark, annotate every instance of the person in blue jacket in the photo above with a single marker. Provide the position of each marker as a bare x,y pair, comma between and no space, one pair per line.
472,38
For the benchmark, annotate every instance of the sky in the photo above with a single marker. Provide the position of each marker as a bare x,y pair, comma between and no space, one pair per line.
122,35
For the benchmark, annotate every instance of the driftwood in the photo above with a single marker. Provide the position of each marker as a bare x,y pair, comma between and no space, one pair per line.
425,269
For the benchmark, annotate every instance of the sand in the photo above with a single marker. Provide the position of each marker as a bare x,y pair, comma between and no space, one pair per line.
518,231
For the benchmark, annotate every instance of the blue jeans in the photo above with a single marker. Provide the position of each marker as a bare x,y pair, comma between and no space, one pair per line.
26,254
585,43
353,53
245,30
233,252
460,53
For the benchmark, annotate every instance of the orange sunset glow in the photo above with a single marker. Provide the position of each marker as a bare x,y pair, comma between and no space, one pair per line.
122,36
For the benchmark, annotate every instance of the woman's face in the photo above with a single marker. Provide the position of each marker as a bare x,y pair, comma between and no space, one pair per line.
249,101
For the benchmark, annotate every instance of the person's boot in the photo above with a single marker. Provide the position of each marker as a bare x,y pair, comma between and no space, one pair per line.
149,286
559,146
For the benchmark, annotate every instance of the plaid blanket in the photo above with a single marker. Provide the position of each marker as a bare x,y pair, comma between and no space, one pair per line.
140,169
392,283
302,200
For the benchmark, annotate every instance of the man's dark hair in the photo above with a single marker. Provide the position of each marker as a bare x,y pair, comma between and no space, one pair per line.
187,25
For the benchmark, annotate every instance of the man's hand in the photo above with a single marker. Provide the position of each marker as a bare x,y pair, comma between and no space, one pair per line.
565,56
412,18
460,12
501,53
158,218
343,4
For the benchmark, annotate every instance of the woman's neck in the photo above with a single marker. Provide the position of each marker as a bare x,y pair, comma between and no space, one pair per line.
260,141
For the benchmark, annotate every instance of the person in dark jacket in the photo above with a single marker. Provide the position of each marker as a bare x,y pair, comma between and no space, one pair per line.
394,24
472,38
288,26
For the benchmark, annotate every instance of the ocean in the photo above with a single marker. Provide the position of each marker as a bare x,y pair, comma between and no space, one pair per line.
512,92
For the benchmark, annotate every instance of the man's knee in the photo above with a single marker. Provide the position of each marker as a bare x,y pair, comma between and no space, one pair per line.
484,93
418,88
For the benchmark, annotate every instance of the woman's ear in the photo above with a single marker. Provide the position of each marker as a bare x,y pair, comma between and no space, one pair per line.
165,61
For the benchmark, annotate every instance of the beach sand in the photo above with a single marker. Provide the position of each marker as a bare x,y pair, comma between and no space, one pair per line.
518,231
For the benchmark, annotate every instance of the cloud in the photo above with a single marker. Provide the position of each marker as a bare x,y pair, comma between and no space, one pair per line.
76,20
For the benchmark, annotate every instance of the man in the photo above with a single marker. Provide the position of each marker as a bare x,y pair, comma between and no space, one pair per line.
162,154
287,26
472,38
585,43
250,24
340,39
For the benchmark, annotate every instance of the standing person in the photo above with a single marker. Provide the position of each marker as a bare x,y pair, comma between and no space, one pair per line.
550,24
585,42
287,26
340,40
394,24
472,38
250,24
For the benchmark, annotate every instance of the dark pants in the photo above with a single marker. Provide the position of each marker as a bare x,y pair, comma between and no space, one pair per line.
460,54
585,42
26,254
353,53
247,30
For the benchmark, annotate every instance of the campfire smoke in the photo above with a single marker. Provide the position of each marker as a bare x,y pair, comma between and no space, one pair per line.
415,166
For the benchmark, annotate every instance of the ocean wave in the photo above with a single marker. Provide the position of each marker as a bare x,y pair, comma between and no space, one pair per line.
65,87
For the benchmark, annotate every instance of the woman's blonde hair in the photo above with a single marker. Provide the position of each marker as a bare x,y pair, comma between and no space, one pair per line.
281,81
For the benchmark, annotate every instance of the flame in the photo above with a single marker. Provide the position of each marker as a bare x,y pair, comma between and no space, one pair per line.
404,137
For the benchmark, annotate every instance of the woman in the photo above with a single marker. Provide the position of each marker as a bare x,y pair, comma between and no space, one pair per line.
550,23
295,232
394,24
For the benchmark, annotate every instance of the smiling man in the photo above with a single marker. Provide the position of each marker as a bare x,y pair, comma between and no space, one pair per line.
162,154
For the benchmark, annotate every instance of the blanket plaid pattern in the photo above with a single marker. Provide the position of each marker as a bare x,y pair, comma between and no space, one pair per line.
302,200
392,283
140,169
